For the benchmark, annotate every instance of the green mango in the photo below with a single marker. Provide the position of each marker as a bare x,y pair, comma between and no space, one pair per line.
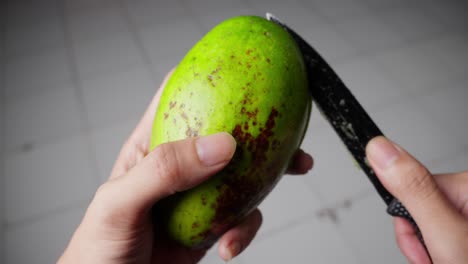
246,77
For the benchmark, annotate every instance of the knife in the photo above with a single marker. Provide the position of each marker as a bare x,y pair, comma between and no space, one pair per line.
347,117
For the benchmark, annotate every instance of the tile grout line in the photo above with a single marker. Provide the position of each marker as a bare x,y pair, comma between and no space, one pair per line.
3,28
195,18
339,229
50,140
374,52
125,14
334,209
47,214
330,23
303,220
318,214
78,89
43,142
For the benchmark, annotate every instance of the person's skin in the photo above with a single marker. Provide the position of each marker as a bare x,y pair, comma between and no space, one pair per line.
438,203
117,226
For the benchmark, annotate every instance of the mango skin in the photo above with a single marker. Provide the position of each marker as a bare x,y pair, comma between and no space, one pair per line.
246,77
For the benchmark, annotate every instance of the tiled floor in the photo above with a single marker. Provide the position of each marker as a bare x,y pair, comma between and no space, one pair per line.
75,77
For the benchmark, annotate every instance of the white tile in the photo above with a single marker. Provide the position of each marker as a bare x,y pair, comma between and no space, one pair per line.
451,51
28,13
368,35
83,6
108,142
2,140
408,124
2,45
451,14
330,43
36,73
382,6
47,178
339,10
369,83
96,23
411,24
447,109
42,241
312,240
34,38
453,163
117,96
162,67
212,12
289,201
2,157
416,68
2,132
295,14
43,117
2,189
111,53
2,247
203,7
211,19
368,230
170,40
335,176
317,122
211,256
150,13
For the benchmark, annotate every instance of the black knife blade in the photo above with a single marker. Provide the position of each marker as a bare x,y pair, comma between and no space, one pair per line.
346,115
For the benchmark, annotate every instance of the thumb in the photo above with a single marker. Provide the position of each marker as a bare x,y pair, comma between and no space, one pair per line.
169,168
409,181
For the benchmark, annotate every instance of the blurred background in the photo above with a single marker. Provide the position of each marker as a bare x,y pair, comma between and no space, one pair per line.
75,76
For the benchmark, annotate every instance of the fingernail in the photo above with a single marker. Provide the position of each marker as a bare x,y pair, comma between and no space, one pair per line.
233,250
382,152
215,149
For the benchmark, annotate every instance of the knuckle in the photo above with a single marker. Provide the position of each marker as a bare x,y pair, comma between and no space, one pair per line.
102,205
107,211
417,181
167,166
102,192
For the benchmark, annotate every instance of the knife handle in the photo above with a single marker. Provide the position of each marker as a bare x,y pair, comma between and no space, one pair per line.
396,208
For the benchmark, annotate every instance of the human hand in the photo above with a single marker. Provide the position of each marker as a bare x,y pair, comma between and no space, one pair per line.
438,203
117,226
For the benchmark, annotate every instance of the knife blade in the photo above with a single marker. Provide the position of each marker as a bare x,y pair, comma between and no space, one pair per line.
346,115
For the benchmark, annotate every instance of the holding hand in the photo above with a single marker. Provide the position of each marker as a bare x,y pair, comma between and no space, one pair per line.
438,203
117,226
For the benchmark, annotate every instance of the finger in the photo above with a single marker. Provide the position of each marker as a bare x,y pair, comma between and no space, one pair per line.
238,238
408,242
415,187
454,186
301,163
170,168
169,251
137,145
